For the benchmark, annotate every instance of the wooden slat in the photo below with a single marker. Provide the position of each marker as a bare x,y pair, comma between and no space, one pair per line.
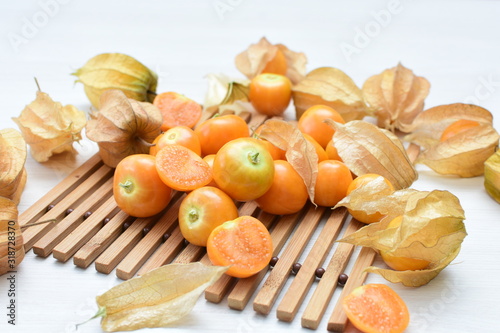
297,291
32,234
245,115
219,289
89,188
256,120
216,292
190,254
276,280
147,245
100,241
46,244
122,245
244,288
327,285
84,232
61,190
165,253
338,319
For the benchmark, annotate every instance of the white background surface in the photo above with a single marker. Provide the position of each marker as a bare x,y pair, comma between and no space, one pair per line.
454,44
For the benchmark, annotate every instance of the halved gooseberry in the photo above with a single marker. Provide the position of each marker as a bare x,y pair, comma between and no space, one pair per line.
376,308
177,109
181,168
244,244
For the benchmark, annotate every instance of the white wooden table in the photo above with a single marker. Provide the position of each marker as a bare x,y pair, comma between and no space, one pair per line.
454,44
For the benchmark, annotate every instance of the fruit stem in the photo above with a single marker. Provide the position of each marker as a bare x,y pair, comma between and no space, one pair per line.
37,223
144,142
271,76
37,84
193,215
253,157
101,312
128,186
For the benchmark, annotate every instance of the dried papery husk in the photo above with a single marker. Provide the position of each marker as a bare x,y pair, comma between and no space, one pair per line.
117,71
158,298
237,108
296,64
253,60
332,87
11,237
492,176
123,126
300,153
428,126
12,171
223,90
376,198
415,278
366,148
463,154
396,96
432,229
50,128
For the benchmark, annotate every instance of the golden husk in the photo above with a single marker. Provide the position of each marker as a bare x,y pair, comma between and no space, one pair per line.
222,90
366,148
332,87
50,128
253,60
123,127
396,96
492,176
11,237
12,171
462,155
117,71
156,299
300,153
432,229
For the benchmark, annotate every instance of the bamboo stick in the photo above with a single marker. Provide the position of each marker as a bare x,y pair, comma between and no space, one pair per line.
100,241
275,281
46,244
76,239
32,234
165,253
302,282
122,245
149,243
190,253
338,319
328,283
61,190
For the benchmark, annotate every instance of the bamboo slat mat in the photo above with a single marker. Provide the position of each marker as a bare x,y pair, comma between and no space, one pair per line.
91,229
